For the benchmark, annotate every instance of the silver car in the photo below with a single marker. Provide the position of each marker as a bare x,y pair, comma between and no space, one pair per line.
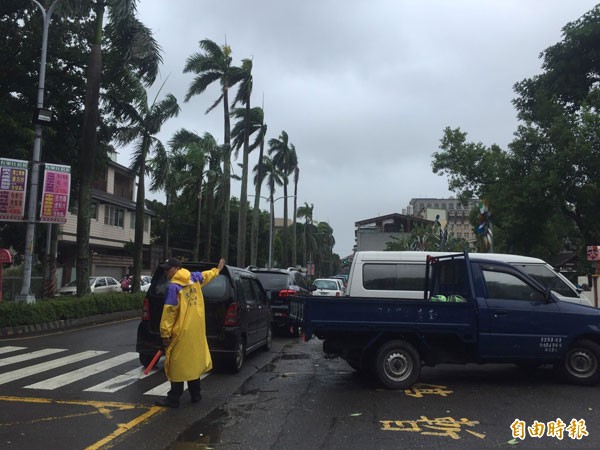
98,285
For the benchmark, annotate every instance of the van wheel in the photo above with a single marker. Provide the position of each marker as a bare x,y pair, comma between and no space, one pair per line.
397,364
237,357
269,340
581,363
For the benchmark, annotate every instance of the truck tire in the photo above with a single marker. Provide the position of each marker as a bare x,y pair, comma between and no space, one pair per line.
581,363
397,364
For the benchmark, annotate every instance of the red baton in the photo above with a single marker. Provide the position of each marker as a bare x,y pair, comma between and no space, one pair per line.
153,362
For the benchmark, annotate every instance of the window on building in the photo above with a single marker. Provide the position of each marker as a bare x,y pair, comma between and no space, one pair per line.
114,216
132,220
146,224
450,205
93,211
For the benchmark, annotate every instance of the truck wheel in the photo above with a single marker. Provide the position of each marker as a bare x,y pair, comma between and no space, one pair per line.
398,365
581,363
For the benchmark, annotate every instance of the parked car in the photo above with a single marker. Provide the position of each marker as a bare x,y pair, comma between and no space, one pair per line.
280,284
238,317
98,285
327,286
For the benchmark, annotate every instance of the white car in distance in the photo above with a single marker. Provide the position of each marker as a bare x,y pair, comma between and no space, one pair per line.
328,287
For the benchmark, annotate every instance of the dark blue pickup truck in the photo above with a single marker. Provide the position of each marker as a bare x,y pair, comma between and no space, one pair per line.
473,311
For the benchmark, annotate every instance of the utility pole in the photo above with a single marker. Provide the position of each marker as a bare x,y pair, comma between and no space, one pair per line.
41,116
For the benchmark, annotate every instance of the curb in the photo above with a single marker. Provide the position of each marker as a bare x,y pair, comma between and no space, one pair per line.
67,324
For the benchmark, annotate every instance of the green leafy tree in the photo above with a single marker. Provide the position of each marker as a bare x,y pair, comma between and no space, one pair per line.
198,150
142,122
134,51
428,238
214,65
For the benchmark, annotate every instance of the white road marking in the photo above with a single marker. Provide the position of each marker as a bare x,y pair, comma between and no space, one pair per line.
42,367
31,355
117,383
10,348
84,372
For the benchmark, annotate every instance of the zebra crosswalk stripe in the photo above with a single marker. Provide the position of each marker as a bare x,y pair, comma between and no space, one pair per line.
119,382
10,348
79,374
42,367
31,355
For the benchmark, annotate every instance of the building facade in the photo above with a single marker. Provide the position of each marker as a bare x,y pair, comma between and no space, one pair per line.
375,233
451,211
112,227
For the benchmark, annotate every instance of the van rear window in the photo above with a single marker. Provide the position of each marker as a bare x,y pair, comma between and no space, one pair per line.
216,289
394,277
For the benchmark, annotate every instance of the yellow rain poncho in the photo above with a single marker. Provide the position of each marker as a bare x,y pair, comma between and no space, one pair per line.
183,321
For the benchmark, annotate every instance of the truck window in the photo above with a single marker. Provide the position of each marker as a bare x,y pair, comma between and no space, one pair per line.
393,277
548,278
502,285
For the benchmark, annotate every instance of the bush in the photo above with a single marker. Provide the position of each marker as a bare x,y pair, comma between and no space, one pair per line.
14,314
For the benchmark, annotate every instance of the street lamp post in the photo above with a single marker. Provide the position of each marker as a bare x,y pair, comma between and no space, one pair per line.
42,116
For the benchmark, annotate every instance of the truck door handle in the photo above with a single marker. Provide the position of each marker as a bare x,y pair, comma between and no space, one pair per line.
499,313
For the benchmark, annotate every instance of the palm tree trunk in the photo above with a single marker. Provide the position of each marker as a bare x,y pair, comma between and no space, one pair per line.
294,241
226,179
167,224
256,210
285,259
196,251
241,250
87,154
138,242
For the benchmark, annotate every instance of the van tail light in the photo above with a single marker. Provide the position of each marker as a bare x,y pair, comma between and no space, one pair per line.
232,317
337,294
287,292
146,309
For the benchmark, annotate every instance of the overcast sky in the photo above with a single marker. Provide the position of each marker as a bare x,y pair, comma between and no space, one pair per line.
364,88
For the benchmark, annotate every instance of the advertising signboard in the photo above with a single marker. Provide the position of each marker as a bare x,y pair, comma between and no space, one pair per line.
13,187
55,197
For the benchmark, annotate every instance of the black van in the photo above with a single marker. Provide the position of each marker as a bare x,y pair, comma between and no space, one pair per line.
238,316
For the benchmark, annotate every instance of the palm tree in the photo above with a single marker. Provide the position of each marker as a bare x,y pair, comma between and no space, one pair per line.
135,50
197,151
243,96
273,177
215,65
142,123
166,177
285,159
306,212
258,125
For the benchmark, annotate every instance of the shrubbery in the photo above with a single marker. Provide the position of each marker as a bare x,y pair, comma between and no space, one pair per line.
14,314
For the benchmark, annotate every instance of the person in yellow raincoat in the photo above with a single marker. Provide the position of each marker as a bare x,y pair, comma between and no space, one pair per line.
183,330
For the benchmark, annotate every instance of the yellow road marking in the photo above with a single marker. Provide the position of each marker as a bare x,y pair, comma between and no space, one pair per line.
104,408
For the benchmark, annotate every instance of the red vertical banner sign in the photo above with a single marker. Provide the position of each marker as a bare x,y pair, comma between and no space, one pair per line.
13,187
55,197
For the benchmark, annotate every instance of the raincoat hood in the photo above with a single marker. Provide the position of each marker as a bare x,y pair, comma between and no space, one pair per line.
182,277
